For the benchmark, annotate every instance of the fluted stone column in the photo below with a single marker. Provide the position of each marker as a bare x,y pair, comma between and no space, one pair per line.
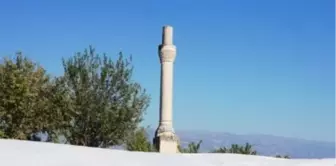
165,139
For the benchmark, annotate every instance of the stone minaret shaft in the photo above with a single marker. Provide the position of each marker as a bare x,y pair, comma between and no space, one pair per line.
167,53
165,138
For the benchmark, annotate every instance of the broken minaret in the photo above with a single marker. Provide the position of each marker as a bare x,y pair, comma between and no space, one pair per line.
165,139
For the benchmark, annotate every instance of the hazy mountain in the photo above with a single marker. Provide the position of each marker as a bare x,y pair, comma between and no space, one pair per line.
264,144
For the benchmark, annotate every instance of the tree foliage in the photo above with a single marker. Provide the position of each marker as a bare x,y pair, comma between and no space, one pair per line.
106,105
139,141
239,149
285,156
28,101
192,147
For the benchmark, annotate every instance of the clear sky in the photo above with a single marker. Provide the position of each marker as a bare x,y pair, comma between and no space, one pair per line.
242,66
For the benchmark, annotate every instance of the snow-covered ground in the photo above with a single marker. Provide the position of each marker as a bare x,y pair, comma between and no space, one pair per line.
25,153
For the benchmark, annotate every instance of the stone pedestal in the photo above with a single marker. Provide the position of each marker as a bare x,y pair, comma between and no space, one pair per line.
166,142
165,139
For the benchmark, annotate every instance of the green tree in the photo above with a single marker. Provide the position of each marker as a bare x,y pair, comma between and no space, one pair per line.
220,150
235,148
285,156
247,149
106,104
139,141
192,147
28,100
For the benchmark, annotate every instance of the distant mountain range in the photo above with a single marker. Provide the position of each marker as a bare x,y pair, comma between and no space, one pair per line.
264,144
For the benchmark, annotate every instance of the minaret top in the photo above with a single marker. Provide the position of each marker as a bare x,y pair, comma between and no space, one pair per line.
167,35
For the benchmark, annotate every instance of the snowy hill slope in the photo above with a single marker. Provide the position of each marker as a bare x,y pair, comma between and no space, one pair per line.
19,153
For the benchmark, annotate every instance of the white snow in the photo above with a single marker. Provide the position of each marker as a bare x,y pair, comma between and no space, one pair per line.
26,153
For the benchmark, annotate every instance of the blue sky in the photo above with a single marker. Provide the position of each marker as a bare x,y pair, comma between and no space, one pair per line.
242,66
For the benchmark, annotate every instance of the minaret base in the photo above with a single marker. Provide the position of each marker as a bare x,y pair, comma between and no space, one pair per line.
166,142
